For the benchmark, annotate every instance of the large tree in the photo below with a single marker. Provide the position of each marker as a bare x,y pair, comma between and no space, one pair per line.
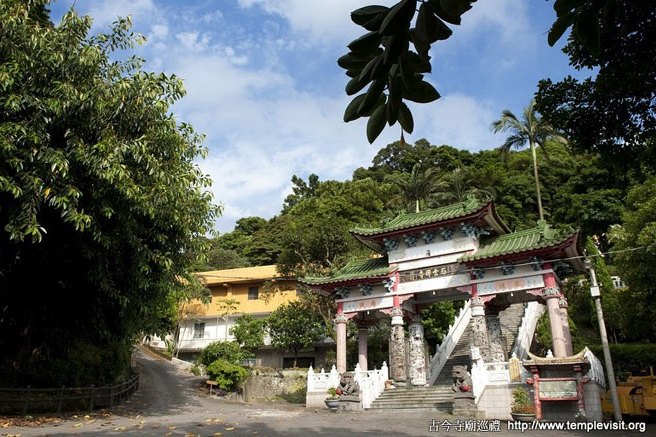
294,327
531,130
101,200
614,112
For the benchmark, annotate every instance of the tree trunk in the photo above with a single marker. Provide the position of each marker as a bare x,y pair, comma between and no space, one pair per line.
295,357
537,181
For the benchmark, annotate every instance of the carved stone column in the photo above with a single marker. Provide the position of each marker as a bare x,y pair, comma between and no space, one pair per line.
362,347
495,339
551,295
417,361
397,347
564,317
478,325
340,323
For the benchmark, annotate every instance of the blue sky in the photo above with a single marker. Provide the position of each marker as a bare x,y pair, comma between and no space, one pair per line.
264,87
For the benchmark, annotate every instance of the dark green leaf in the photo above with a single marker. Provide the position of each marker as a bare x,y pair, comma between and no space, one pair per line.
363,15
564,6
398,17
586,29
430,28
372,97
405,118
376,123
395,88
366,43
351,112
355,85
398,45
374,23
372,70
350,62
421,92
558,28
450,10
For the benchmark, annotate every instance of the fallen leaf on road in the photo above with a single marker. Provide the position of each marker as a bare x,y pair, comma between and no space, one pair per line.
217,434
229,429
89,422
77,425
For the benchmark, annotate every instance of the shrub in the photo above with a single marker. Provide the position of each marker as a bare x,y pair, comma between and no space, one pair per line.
228,376
521,402
229,351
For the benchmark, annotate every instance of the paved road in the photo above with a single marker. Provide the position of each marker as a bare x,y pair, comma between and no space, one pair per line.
170,402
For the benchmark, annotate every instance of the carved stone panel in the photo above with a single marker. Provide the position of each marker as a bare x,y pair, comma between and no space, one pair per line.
397,353
417,360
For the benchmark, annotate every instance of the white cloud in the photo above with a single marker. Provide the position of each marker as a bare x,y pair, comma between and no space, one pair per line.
457,120
318,20
106,12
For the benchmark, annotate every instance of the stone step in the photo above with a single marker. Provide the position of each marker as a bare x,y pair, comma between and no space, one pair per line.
436,394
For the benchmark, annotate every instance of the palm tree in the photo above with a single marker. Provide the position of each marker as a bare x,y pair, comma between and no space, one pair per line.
417,186
530,129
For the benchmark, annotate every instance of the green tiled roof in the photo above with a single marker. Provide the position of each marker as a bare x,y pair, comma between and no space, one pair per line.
539,237
354,270
410,220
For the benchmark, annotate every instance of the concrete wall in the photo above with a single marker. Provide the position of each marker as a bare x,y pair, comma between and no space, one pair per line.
593,393
287,384
496,400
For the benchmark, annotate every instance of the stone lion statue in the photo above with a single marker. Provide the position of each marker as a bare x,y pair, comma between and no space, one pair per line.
461,379
347,386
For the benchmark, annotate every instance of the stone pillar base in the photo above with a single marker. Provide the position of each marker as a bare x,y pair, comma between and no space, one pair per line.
349,403
464,405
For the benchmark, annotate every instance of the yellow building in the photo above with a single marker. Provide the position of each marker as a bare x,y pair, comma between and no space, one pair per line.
256,291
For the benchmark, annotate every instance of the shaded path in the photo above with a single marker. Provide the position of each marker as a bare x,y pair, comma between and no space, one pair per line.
170,403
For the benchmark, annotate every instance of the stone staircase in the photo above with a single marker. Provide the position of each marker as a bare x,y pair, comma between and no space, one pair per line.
439,396
416,398
459,356
510,319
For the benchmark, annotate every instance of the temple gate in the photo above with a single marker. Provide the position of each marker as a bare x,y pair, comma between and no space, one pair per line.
459,252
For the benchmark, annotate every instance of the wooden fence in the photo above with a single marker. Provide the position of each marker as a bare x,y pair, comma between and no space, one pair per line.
49,400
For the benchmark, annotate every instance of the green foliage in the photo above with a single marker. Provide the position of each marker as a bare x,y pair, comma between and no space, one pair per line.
314,231
531,130
81,365
437,317
634,239
614,113
100,191
249,331
332,393
634,358
521,402
229,351
227,375
293,327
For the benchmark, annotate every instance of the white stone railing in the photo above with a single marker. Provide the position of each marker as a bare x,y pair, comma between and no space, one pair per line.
322,381
484,374
596,372
532,314
450,341
371,383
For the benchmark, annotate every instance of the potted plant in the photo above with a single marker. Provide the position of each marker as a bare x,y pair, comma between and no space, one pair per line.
332,401
522,410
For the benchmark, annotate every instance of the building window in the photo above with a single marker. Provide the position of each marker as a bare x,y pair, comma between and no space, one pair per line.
199,330
253,293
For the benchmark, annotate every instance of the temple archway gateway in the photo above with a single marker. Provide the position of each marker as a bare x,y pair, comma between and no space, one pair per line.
461,251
